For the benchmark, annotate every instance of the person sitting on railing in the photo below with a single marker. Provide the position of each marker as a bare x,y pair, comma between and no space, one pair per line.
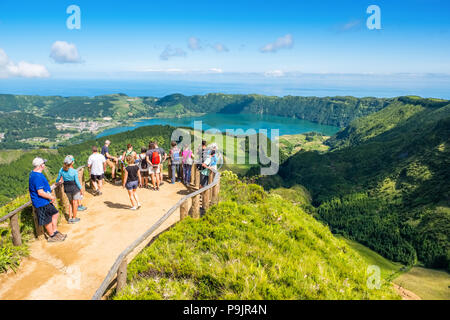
206,165
128,152
42,199
111,161
72,187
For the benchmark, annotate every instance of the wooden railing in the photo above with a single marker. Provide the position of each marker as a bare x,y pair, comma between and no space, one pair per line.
209,195
58,193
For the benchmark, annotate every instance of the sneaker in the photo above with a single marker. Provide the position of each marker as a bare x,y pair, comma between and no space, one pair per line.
60,235
55,238
133,208
82,208
139,205
99,193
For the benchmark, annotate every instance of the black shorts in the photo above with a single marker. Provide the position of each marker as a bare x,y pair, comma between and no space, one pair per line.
95,178
204,180
45,214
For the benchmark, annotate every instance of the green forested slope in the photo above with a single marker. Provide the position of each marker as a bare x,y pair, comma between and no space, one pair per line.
14,175
337,111
387,183
252,245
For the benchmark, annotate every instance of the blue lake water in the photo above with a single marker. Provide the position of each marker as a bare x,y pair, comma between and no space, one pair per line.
286,126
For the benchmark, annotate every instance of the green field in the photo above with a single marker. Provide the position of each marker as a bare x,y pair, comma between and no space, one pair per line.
428,284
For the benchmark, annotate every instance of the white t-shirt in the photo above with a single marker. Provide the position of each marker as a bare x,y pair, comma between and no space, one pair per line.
96,161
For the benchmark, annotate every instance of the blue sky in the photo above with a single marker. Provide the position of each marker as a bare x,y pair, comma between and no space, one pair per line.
140,39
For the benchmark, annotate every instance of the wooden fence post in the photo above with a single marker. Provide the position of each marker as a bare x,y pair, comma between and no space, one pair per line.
39,230
205,199
63,200
193,173
197,179
82,180
215,193
122,276
195,208
15,230
184,209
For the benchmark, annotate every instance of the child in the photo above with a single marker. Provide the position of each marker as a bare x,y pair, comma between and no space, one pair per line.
132,179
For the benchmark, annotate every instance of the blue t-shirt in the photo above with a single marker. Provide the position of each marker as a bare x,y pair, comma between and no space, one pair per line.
69,175
105,150
38,181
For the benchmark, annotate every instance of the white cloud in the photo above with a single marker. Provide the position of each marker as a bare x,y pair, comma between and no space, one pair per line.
286,42
23,69
64,52
274,74
170,52
194,44
220,47
215,70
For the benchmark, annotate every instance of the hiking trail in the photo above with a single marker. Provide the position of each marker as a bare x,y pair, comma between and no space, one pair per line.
75,268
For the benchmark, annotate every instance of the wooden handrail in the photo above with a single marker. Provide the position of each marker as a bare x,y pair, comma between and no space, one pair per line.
17,240
120,265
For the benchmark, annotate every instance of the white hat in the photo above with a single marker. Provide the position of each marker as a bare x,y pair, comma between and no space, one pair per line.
69,160
38,161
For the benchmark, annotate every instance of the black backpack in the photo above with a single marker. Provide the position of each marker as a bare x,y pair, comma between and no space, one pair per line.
144,164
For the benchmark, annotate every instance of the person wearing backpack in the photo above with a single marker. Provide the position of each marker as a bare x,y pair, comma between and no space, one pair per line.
202,153
175,161
143,166
188,161
154,159
163,155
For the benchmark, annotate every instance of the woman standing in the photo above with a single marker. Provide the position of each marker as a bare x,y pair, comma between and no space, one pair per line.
144,166
72,187
132,180
187,164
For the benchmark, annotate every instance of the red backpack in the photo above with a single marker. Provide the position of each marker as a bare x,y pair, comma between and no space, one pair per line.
156,158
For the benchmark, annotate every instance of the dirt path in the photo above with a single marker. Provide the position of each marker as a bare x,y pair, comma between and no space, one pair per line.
75,268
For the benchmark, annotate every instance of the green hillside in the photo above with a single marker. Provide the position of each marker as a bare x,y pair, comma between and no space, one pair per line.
386,182
252,245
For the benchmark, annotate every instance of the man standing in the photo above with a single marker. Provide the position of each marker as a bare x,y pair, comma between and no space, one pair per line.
111,161
97,167
42,199
163,155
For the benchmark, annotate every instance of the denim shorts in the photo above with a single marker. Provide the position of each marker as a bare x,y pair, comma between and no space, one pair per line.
132,185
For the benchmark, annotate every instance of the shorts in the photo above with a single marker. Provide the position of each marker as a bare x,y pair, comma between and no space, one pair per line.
110,163
132,185
144,174
154,170
95,178
74,196
45,214
204,180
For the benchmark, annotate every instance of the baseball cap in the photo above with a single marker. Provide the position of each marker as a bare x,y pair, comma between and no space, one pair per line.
69,160
38,161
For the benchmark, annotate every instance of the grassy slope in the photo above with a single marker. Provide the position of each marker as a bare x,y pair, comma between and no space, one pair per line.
252,245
